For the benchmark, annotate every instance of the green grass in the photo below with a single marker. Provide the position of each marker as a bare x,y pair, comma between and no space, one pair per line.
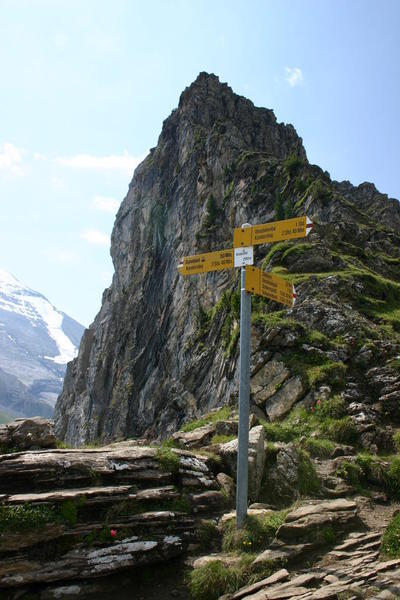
292,164
341,430
222,439
394,364
220,415
308,480
231,346
396,439
278,247
371,470
351,472
25,517
206,533
215,579
62,445
297,250
279,432
333,408
319,448
277,319
391,539
256,533
168,459
315,367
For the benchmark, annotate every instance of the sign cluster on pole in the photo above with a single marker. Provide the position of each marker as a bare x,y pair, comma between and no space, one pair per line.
253,281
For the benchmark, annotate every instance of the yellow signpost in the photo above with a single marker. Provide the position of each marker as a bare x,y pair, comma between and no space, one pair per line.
270,286
276,231
209,261
253,281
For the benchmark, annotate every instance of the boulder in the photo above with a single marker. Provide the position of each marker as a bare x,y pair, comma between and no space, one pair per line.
252,512
318,524
226,484
31,433
228,453
285,398
267,380
195,439
281,477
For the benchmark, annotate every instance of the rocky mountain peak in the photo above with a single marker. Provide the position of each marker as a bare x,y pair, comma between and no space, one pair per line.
163,349
208,105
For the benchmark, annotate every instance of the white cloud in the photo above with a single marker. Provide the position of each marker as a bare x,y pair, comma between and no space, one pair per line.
122,162
11,159
62,257
105,204
294,76
96,237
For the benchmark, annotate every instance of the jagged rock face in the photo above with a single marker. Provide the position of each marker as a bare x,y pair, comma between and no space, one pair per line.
157,354
134,371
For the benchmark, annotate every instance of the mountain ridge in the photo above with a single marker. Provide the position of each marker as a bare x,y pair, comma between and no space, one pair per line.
34,348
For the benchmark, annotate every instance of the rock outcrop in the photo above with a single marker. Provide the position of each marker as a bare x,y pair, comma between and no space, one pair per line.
27,434
82,514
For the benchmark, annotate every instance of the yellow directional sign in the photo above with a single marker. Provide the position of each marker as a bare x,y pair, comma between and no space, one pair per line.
270,286
210,261
275,231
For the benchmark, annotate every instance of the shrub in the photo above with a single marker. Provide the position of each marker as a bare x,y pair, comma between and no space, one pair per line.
300,185
292,164
203,320
212,211
334,408
351,472
279,210
391,539
23,517
168,459
69,512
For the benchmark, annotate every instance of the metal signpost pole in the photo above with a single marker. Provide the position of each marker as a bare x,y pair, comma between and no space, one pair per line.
244,399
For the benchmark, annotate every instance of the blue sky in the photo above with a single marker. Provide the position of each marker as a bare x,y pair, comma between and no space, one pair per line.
86,84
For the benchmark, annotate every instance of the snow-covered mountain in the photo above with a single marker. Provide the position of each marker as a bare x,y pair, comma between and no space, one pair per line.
36,343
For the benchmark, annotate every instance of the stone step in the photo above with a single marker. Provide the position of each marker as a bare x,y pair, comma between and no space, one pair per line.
84,563
352,540
95,495
151,522
56,496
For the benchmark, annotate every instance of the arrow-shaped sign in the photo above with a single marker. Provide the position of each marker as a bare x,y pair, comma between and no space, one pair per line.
216,261
209,261
276,231
270,286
